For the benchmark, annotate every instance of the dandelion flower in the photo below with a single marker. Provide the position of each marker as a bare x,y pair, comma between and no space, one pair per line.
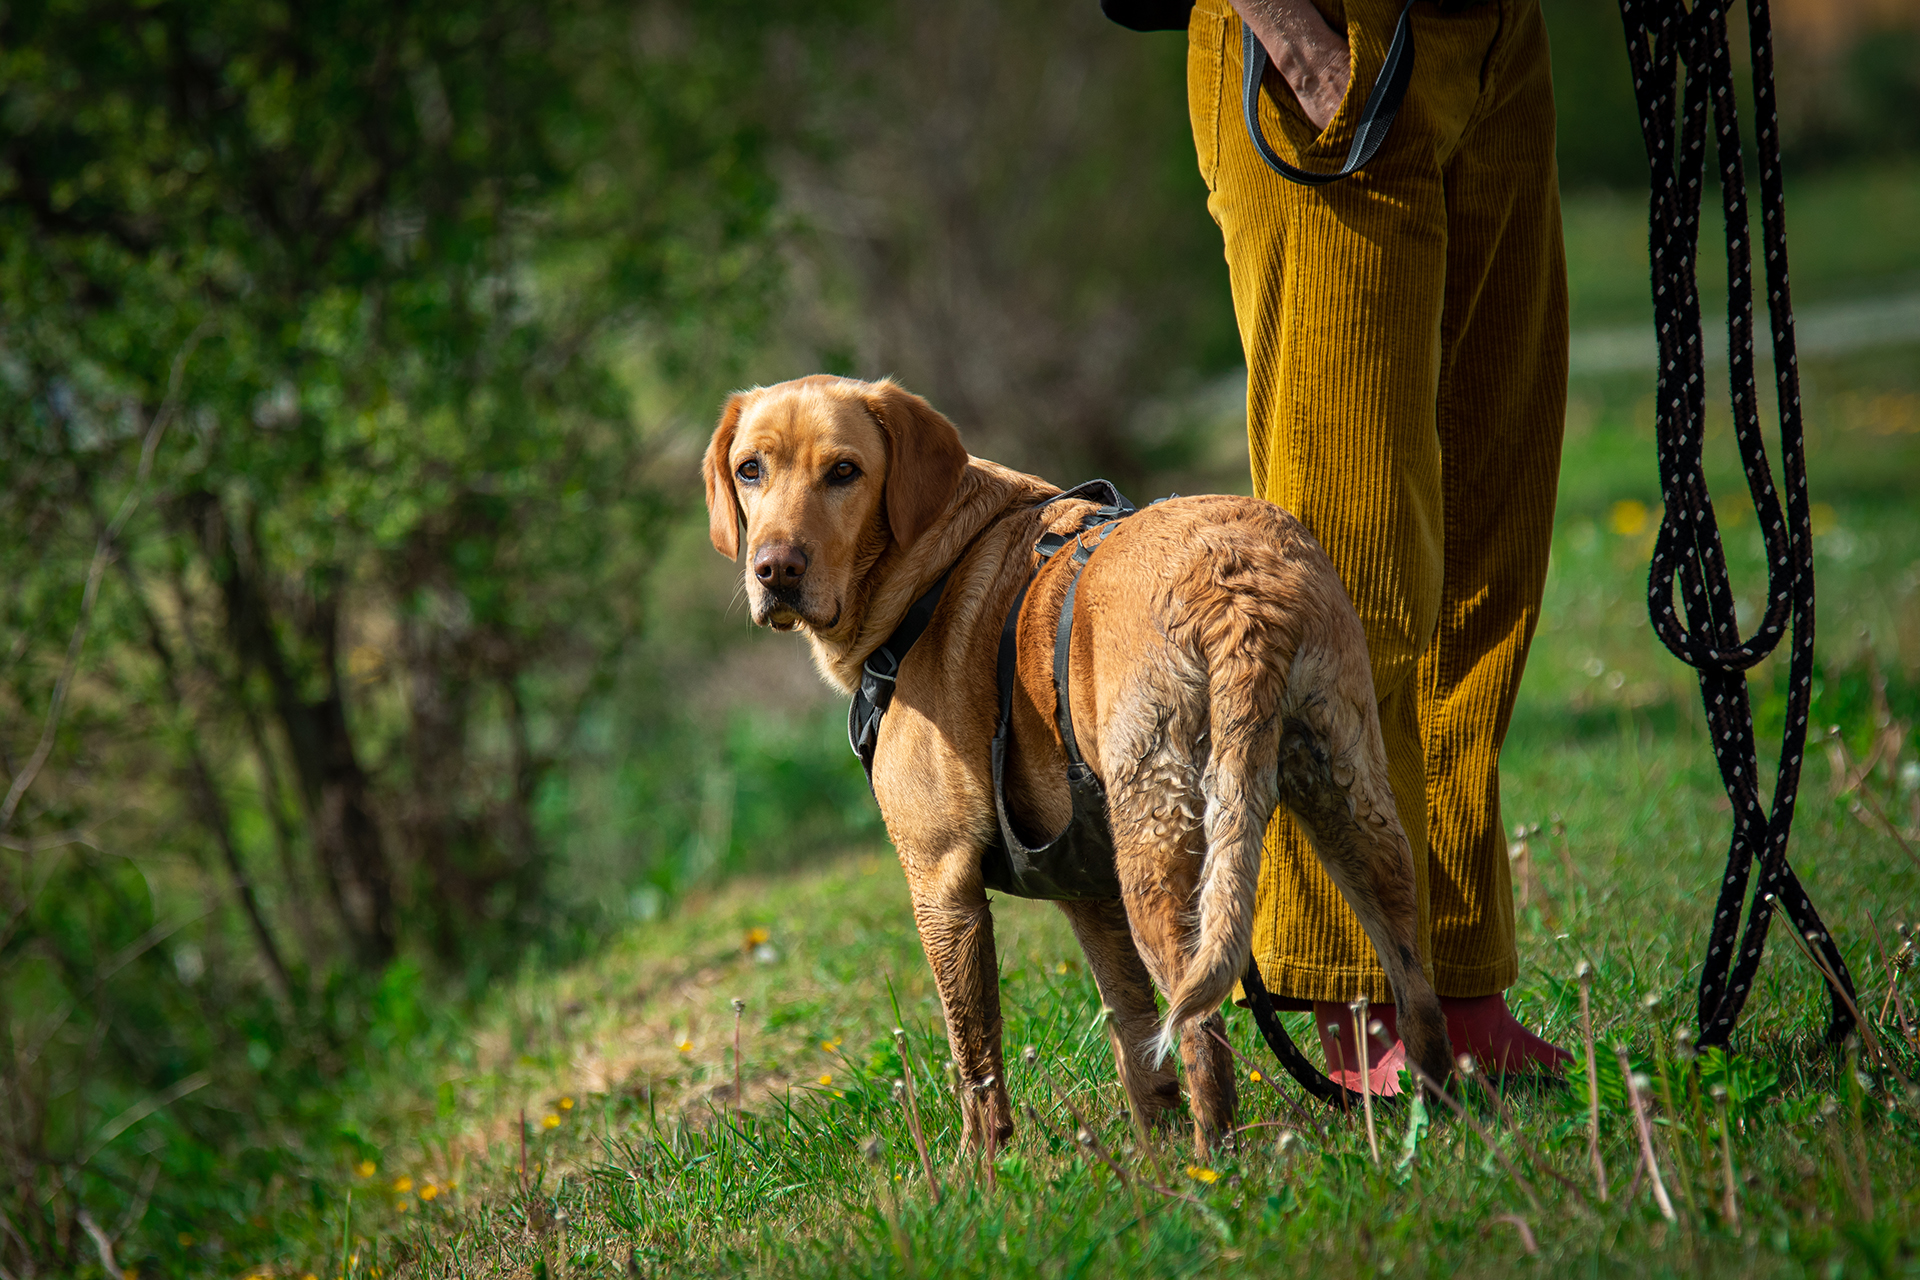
1628,517
429,1191
566,1104
403,1184
826,1078
1255,1076
368,1168
1198,1174
550,1121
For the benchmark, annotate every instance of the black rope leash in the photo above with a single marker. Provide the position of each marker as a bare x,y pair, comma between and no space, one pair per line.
1661,34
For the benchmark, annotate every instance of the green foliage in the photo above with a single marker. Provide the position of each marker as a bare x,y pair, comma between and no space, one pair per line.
343,353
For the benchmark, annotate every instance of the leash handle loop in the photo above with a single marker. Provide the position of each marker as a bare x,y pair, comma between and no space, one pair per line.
1376,117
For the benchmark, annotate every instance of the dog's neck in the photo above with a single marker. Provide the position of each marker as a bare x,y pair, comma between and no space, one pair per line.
888,578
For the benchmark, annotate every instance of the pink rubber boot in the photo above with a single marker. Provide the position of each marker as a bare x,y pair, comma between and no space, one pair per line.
1481,1026
1334,1022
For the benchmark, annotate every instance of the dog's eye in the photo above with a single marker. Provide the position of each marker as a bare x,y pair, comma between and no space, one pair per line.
748,470
843,473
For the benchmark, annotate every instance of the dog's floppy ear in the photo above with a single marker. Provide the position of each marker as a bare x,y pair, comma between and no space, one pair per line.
723,508
925,459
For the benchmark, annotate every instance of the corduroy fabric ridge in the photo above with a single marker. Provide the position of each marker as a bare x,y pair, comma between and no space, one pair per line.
1406,344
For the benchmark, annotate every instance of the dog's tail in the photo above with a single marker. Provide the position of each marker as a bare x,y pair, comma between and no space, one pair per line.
1245,685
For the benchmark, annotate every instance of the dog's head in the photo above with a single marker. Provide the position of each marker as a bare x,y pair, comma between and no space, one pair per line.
819,470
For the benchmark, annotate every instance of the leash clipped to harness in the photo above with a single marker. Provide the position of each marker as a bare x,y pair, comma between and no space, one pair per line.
1661,34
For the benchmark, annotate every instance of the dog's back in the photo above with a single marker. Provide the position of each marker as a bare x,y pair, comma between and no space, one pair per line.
1219,671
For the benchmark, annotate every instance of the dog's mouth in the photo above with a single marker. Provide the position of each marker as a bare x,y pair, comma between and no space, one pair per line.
788,615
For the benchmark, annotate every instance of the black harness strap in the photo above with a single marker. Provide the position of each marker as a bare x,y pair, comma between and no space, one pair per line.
881,672
1078,861
1660,35
1376,117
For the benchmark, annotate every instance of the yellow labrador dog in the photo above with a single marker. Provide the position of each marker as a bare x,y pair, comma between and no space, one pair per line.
1217,671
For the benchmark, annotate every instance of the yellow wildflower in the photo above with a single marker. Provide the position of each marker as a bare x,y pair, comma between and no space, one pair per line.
756,937
826,1078
1255,1076
368,1168
830,1045
1628,517
685,1046
550,1121
1198,1174
403,1184
566,1104
429,1191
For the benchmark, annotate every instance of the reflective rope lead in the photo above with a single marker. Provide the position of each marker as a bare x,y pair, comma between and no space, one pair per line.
1660,35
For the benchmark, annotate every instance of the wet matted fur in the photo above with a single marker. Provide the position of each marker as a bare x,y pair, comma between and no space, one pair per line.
1218,671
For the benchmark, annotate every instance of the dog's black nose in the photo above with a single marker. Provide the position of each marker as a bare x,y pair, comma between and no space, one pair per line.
779,565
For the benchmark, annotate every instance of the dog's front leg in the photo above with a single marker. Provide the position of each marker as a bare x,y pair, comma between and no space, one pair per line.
956,928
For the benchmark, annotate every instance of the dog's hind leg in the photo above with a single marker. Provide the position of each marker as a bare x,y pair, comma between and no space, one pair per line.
1125,988
1333,778
1159,846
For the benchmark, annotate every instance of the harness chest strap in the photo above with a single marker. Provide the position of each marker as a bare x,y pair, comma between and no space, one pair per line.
881,671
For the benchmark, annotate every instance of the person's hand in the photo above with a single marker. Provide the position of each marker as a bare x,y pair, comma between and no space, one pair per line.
1309,55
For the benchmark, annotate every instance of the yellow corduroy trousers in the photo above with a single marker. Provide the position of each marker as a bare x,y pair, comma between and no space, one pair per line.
1406,345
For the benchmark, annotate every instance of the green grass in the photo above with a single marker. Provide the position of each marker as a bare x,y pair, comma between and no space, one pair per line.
618,1068
652,1159
1850,233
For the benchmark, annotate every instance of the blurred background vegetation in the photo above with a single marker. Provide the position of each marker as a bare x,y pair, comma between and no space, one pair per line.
359,638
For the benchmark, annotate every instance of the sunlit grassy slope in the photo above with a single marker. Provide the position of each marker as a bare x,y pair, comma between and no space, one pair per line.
639,1155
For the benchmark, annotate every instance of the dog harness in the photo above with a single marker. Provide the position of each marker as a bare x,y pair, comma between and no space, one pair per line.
1077,862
